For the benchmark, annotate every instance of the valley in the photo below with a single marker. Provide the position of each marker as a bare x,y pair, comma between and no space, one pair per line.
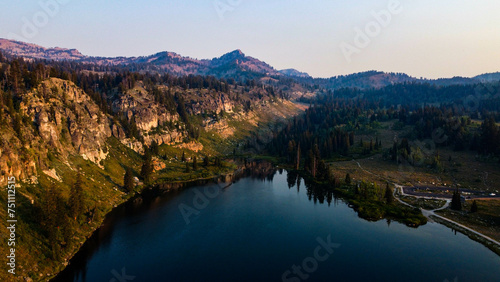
84,136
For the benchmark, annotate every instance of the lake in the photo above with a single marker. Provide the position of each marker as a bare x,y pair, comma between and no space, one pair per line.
269,229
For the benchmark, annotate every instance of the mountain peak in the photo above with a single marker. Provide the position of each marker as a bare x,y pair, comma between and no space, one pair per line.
231,56
238,52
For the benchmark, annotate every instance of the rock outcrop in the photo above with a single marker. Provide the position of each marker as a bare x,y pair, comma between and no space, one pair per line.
65,121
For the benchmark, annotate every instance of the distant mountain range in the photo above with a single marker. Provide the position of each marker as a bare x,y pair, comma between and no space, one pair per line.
231,65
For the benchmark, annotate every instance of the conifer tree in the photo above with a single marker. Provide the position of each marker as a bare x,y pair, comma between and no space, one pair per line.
128,180
53,218
348,179
297,161
195,163
389,197
147,167
456,203
76,201
155,149
474,208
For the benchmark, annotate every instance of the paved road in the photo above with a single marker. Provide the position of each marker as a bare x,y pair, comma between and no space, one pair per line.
429,213
433,192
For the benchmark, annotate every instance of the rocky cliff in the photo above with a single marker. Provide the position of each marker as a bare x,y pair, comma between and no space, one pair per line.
59,119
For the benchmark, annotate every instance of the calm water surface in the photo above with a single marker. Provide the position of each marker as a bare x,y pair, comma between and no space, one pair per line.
257,230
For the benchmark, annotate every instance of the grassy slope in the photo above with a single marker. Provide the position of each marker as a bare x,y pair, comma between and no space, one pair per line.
103,187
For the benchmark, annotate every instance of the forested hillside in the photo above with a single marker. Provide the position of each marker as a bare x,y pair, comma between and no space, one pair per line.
79,142
81,137
349,124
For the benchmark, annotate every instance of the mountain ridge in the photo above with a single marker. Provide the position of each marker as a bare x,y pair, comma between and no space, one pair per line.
165,61
234,64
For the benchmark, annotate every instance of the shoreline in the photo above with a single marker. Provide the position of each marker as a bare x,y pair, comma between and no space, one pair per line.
486,241
493,246
228,178
161,188
477,236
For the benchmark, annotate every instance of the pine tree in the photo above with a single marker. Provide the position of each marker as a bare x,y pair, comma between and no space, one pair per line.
128,180
53,219
183,158
18,125
489,136
474,208
49,208
15,79
155,149
323,171
291,150
348,179
456,203
394,151
205,161
297,161
147,167
389,197
309,166
76,201
195,163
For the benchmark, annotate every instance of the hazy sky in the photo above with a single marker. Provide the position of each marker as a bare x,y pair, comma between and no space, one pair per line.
422,38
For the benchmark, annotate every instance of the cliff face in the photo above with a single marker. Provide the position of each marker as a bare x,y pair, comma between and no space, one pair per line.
62,120
65,115
137,103
139,107
205,101
12,163
59,120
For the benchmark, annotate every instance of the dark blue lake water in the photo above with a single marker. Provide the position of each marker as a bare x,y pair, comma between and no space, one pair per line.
262,230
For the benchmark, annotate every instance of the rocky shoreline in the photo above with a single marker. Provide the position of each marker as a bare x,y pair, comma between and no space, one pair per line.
137,198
